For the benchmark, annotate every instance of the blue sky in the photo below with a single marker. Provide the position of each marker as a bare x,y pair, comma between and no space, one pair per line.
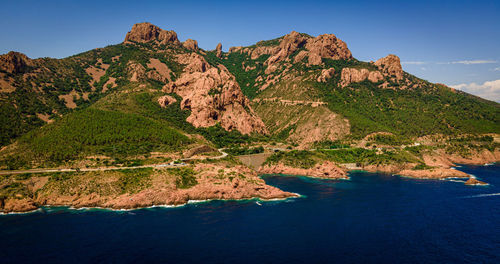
452,42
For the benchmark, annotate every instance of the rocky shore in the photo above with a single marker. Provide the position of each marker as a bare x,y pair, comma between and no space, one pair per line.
325,170
214,182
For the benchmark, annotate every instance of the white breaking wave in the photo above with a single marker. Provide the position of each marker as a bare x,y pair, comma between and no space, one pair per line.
482,195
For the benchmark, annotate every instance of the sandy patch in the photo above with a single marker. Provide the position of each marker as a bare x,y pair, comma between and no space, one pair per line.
111,81
68,98
5,86
45,117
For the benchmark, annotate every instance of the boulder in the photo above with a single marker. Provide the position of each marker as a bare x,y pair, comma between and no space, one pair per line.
166,100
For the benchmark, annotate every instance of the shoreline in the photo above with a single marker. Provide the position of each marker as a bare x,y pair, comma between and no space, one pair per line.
268,171
164,206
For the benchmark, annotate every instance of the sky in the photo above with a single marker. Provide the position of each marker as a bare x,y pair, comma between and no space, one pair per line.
452,42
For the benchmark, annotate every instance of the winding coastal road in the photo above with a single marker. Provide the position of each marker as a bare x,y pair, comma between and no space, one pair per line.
162,165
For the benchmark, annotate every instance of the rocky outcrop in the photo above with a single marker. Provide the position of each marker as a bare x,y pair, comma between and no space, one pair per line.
191,44
136,71
327,46
218,50
326,74
14,62
18,205
474,181
213,96
325,170
288,45
212,182
390,66
351,75
146,32
435,173
166,100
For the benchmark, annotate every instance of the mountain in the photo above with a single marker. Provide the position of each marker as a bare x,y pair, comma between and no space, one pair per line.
153,99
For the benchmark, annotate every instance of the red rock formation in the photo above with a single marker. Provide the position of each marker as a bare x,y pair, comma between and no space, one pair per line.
136,71
474,181
213,95
191,44
166,100
145,32
327,46
390,66
288,45
218,50
325,170
326,74
14,62
351,75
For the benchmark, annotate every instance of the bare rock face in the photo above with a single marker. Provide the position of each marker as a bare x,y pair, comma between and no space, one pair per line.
136,71
323,46
14,62
288,45
327,46
390,66
213,96
326,74
145,32
325,170
218,50
191,44
166,100
351,75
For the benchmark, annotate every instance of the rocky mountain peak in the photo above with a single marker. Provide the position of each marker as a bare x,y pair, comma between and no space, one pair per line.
145,32
327,46
14,62
191,44
391,66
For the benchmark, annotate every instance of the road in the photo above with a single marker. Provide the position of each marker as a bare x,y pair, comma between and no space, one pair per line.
163,165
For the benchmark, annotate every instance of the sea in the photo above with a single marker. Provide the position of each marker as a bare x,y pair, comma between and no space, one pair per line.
371,218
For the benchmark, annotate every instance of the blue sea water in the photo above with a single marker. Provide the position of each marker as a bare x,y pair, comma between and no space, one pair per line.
372,218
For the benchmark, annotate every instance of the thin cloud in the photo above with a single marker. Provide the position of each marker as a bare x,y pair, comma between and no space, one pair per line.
496,69
470,62
489,90
414,62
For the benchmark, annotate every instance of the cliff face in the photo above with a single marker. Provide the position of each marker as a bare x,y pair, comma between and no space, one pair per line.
213,95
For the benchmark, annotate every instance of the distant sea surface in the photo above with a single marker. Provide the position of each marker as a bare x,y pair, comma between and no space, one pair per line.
372,218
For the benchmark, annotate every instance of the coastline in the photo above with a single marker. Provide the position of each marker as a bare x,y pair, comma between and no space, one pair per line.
166,206
251,186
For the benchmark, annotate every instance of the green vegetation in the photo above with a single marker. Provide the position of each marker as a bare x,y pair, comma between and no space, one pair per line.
389,139
328,144
133,181
368,156
464,145
410,112
295,158
236,151
245,78
93,131
185,177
